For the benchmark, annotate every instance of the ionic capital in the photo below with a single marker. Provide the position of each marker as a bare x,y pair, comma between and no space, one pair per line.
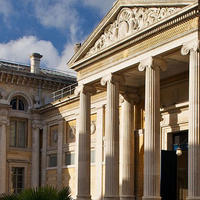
37,124
111,78
151,63
84,89
190,46
4,121
132,98
61,121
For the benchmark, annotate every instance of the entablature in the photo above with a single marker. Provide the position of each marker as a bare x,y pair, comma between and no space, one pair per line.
8,77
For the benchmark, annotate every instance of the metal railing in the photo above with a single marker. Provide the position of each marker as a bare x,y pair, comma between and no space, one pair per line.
26,67
67,91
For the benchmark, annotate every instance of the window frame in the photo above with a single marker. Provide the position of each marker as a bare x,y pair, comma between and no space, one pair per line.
17,176
51,135
17,163
17,137
18,100
49,159
65,159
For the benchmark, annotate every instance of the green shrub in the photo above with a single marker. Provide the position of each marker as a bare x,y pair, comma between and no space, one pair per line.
41,193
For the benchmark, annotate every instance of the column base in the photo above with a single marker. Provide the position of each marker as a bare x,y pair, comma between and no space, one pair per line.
127,197
193,198
111,198
151,198
79,197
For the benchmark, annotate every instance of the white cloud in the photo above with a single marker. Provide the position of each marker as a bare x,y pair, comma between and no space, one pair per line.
21,49
63,14
57,13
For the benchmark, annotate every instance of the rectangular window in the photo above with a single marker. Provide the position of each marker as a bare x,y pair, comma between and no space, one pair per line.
17,179
18,133
53,135
52,160
69,159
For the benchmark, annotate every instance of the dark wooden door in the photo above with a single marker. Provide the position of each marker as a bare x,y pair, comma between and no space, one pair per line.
168,175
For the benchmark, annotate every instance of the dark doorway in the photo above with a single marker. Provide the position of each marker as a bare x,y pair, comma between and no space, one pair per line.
168,175
174,168
180,140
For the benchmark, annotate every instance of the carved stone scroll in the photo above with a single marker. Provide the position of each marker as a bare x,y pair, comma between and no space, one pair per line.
129,21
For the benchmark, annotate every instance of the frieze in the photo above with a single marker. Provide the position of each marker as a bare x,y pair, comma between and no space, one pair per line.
130,21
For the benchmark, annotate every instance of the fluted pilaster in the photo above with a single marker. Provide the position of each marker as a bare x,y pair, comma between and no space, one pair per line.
152,128
112,137
44,155
127,149
60,153
3,124
83,185
192,48
36,126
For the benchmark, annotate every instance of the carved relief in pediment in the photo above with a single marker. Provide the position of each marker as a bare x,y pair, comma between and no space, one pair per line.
129,21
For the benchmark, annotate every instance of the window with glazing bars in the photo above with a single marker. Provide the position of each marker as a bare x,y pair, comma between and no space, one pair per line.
17,179
18,133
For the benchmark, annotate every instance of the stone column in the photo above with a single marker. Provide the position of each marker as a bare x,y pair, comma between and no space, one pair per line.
3,156
152,128
83,185
44,155
76,151
99,152
192,48
60,153
112,137
127,148
35,153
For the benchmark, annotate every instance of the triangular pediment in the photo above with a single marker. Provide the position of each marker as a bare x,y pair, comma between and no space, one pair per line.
126,18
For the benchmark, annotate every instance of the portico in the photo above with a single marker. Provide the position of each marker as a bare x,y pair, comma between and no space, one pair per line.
140,61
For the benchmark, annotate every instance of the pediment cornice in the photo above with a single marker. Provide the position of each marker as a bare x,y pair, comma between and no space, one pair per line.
125,19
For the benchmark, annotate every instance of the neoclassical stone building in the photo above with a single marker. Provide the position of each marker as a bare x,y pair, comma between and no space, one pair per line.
130,129
23,91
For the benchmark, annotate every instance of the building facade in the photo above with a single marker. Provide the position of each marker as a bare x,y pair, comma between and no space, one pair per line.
130,129
24,89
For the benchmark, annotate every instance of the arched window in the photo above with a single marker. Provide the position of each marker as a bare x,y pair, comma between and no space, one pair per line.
19,103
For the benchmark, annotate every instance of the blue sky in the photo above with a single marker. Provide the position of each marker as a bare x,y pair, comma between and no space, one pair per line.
50,27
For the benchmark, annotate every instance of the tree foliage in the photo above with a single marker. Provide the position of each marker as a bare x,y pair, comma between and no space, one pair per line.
41,193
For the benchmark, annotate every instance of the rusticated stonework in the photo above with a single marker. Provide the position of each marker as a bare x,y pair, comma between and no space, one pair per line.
128,22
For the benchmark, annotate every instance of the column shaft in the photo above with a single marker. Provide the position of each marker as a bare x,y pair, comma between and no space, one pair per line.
44,155
194,127
35,156
192,48
112,142
60,154
152,130
3,158
99,153
126,153
83,187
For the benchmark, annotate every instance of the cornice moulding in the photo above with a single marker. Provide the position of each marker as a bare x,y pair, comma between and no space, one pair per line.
156,2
